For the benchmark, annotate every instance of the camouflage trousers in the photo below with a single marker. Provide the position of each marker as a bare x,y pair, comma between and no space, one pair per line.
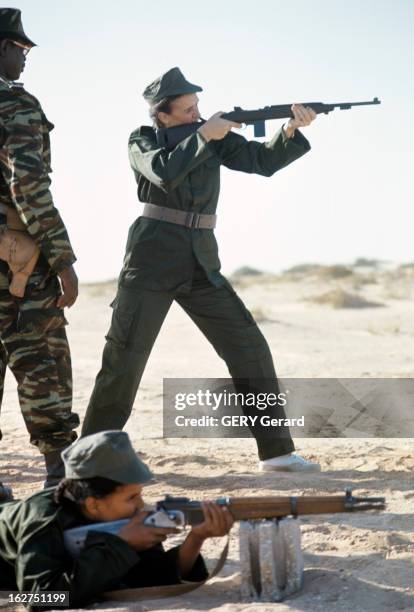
35,348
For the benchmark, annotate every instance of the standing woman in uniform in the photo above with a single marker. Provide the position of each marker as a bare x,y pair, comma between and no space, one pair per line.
172,254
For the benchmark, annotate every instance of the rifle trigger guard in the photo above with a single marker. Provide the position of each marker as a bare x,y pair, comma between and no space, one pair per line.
294,506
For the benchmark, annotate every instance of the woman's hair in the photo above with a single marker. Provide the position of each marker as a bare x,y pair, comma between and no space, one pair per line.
163,106
73,491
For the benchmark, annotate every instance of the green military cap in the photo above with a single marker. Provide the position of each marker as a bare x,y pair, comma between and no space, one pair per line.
11,26
172,83
108,454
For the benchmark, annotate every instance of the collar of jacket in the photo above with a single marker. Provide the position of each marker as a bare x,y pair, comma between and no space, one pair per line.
10,84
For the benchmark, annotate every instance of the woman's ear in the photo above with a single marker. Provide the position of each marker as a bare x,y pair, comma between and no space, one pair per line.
164,118
91,506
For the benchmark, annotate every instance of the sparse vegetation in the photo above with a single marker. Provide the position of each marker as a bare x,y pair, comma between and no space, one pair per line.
301,269
334,272
359,280
247,271
366,263
338,298
407,268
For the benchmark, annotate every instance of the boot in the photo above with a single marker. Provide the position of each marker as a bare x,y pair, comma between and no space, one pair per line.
55,469
6,494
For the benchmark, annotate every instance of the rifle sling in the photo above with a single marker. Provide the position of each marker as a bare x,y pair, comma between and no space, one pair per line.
169,590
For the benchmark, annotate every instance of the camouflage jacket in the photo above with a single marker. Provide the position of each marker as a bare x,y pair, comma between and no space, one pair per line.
160,255
24,173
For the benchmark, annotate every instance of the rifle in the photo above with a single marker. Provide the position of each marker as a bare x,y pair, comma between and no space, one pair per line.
169,137
177,512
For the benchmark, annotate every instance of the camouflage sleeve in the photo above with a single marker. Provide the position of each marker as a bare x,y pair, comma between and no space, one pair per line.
26,172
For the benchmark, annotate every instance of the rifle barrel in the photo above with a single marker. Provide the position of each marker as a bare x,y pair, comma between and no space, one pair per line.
283,111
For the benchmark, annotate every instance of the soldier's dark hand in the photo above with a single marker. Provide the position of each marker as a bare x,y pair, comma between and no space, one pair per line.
69,283
142,537
302,116
218,521
217,128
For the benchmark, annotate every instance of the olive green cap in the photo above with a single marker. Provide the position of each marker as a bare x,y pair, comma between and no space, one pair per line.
172,83
108,454
11,26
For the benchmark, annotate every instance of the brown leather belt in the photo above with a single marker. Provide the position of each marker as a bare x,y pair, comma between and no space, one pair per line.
191,220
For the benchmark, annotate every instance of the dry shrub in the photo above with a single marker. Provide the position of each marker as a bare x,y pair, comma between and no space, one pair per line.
338,298
334,272
317,271
302,269
246,271
364,262
360,280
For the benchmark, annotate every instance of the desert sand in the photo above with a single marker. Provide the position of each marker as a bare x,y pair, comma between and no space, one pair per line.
319,322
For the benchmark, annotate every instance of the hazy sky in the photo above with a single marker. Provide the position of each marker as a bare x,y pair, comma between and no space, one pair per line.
351,196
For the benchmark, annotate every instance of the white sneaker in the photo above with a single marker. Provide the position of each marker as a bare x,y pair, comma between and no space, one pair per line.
288,463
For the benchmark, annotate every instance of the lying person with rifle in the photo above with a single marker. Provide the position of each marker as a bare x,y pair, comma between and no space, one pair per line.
104,482
102,489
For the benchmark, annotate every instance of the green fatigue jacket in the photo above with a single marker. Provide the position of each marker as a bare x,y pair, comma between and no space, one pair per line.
160,255
33,556
24,173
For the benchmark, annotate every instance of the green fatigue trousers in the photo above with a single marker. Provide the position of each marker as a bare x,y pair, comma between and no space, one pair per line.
137,317
35,348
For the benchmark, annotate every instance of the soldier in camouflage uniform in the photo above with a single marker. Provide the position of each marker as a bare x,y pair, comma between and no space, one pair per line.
32,328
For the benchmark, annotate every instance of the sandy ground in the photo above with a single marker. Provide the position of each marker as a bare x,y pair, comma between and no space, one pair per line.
362,561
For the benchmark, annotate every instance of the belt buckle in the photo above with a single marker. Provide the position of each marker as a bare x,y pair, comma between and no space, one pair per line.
192,220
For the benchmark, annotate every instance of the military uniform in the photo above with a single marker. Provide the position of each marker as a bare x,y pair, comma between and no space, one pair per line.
33,556
166,262
32,328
